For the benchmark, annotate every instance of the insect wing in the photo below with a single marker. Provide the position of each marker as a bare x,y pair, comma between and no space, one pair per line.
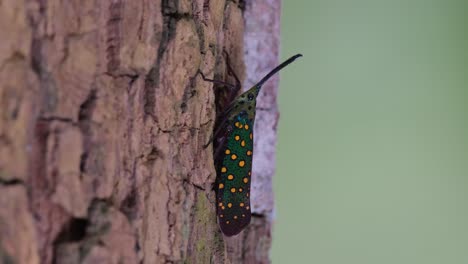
234,177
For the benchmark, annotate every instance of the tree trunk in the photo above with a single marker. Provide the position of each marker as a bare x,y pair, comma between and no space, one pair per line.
103,122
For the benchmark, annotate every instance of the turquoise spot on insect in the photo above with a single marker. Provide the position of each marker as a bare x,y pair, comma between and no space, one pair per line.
233,153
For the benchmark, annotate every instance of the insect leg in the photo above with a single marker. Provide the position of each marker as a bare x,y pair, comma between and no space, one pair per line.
219,148
234,89
237,86
216,81
216,133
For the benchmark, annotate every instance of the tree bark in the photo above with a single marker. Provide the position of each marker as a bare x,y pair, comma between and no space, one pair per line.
103,122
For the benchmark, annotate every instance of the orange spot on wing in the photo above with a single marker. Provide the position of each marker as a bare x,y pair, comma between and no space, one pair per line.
237,137
241,163
233,190
221,186
230,177
243,143
233,156
223,169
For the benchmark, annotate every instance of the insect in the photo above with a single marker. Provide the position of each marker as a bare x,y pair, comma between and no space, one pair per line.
233,150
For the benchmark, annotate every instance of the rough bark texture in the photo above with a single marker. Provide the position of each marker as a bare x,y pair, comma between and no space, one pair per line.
102,125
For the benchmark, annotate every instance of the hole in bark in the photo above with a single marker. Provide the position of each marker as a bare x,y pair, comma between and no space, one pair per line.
153,155
137,246
87,106
129,204
183,106
74,230
84,157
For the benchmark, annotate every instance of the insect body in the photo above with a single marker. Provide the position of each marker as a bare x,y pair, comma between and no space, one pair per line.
233,157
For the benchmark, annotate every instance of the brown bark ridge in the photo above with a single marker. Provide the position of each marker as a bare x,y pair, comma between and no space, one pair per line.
102,125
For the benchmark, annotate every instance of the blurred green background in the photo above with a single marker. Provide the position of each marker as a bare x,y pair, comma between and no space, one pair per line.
373,136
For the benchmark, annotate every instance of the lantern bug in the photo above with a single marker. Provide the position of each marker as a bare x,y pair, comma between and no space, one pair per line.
233,150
